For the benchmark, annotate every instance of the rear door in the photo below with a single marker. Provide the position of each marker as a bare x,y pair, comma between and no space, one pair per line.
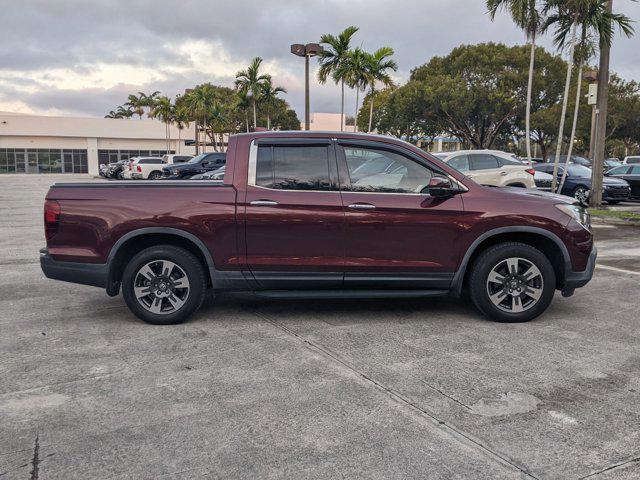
485,169
397,236
294,214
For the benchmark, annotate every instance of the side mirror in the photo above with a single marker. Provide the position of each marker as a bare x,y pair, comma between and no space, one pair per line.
440,187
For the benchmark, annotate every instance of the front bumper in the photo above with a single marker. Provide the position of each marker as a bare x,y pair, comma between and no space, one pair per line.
94,274
580,279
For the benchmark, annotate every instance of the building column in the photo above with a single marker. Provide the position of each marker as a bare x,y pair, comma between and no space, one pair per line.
92,156
439,145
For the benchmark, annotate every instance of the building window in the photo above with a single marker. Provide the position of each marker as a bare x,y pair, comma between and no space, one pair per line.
43,160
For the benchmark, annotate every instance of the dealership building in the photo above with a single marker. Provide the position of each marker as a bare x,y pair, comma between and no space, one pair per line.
43,144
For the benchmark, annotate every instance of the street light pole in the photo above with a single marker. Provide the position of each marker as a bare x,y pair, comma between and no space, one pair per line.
601,122
307,51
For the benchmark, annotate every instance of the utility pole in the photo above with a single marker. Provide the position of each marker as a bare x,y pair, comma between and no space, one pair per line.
601,122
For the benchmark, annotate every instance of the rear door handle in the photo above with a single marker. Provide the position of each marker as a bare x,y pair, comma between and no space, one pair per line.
362,206
263,203
503,173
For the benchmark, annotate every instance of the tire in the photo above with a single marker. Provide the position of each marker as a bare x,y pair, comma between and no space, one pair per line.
536,292
581,193
166,303
120,175
155,175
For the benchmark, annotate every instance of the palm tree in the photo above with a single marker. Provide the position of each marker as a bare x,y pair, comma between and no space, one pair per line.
355,75
198,101
566,17
244,103
163,109
527,17
123,112
268,96
377,69
181,119
137,103
332,60
595,17
149,100
251,82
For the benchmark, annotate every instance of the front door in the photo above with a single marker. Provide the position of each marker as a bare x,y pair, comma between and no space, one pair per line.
31,162
294,215
397,235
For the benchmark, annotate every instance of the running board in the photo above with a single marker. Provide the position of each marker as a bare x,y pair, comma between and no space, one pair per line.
311,294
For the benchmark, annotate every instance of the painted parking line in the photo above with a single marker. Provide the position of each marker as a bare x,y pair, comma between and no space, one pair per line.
616,269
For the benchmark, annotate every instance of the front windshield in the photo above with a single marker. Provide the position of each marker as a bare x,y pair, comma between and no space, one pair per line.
579,171
197,159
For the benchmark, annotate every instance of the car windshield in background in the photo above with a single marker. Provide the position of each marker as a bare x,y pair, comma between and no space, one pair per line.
197,158
579,170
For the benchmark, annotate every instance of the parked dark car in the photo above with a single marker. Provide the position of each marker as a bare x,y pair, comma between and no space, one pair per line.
610,163
585,162
631,175
578,183
287,221
211,175
204,162
116,169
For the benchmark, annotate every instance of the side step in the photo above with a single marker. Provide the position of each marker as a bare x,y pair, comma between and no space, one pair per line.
311,294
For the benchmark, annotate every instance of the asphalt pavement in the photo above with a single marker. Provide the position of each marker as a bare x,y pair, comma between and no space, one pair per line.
382,389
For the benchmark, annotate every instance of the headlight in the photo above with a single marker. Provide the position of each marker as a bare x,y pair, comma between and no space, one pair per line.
580,214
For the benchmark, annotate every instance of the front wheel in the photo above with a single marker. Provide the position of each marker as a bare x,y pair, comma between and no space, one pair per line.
581,194
155,176
164,285
512,282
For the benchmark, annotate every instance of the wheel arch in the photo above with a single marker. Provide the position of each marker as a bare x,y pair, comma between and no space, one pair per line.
137,240
545,241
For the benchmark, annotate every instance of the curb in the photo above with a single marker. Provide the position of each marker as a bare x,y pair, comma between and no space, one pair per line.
602,220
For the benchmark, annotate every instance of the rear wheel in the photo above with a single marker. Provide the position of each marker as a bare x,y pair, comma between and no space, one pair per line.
155,175
164,285
512,282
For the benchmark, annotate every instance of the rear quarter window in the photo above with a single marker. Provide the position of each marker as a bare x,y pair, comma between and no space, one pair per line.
483,161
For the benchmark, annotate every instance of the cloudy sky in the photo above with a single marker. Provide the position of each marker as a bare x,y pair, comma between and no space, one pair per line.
82,57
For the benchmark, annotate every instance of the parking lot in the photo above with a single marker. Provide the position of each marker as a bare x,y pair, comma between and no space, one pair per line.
312,389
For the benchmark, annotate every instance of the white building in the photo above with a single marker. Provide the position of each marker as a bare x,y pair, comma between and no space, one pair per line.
37,144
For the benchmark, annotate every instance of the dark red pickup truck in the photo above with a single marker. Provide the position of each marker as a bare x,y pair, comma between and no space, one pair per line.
319,215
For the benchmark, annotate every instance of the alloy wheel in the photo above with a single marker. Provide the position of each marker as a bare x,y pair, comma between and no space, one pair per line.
582,195
514,285
161,287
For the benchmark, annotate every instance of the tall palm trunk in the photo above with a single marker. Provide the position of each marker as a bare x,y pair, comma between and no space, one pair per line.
355,121
179,139
371,111
255,117
527,119
573,127
342,107
246,119
565,98
195,124
268,118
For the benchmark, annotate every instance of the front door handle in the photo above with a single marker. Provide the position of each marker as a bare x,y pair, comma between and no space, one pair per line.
362,206
263,203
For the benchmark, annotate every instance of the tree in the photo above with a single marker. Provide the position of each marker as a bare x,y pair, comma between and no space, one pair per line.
332,61
268,96
353,70
164,110
244,104
136,103
198,102
120,112
526,16
181,119
252,82
377,69
590,15
476,91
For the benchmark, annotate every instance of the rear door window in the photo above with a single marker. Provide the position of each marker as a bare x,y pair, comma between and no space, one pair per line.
483,161
635,170
293,167
460,163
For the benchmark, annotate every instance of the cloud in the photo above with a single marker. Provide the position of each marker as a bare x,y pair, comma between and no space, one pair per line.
68,57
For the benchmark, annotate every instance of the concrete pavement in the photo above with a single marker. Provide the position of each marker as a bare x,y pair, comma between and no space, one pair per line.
326,389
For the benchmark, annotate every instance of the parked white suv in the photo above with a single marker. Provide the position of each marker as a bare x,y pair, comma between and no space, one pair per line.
146,168
176,158
632,160
491,167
